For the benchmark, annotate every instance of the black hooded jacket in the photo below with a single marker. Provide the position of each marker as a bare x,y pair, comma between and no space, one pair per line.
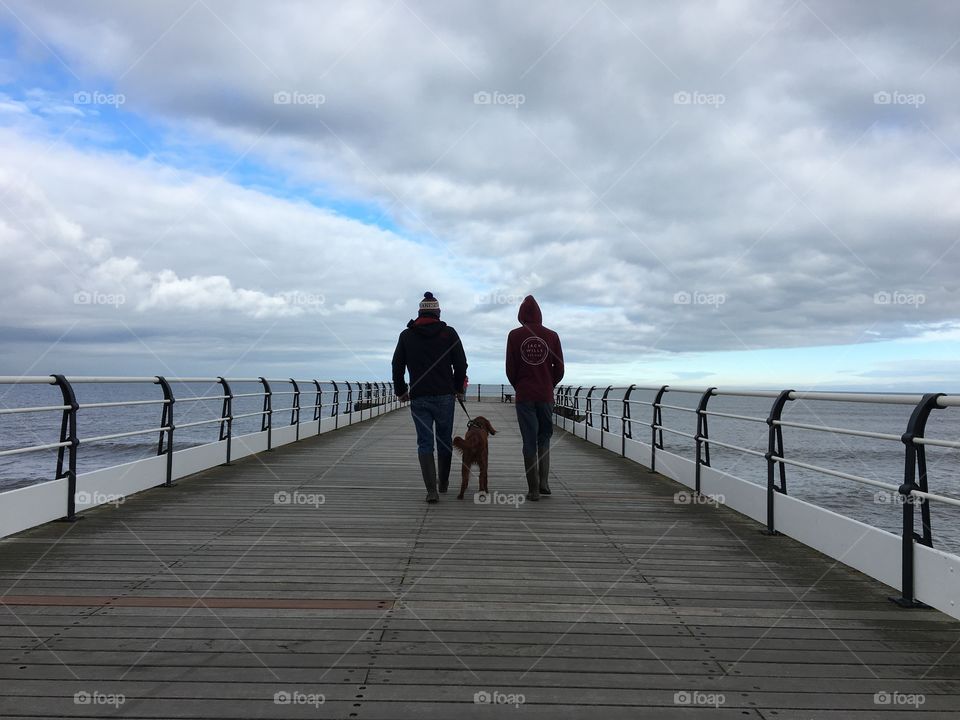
433,353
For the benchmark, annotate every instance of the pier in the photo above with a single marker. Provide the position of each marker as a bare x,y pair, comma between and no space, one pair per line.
312,581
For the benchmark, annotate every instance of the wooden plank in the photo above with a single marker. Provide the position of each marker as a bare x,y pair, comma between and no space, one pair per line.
606,600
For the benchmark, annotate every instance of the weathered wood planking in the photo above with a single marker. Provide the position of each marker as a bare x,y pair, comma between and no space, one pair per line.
606,600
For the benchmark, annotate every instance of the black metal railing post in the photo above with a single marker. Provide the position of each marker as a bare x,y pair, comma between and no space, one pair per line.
655,425
295,408
318,406
589,409
703,433
775,449
914,478
335,407
604,410
349,403
626,423
266,415
576,408
226,416
166,421
68,434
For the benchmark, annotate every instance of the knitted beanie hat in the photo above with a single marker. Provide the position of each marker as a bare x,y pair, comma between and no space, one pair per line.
429,304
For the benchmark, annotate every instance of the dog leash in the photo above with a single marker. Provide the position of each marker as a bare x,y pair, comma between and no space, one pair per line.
470,423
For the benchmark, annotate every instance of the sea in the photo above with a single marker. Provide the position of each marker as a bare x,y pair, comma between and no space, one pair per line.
876,459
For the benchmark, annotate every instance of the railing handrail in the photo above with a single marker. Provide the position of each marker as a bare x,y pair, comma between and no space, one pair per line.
913,491
370,393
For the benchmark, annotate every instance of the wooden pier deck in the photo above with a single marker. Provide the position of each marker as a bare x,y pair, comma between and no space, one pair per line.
607,600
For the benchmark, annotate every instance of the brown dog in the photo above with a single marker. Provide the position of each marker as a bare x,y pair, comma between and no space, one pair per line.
473,451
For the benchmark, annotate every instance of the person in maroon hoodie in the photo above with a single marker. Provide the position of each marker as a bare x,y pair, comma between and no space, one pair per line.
534,368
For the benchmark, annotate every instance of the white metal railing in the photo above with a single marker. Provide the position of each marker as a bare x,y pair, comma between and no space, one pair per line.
571,403
343,397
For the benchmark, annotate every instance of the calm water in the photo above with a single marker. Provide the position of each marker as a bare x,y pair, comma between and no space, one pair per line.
875,459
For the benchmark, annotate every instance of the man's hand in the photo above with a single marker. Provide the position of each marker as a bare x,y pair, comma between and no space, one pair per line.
405,397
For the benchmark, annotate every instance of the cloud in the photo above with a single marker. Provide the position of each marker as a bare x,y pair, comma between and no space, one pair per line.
615,188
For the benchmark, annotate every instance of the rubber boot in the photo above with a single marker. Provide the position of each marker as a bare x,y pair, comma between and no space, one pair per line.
443,471
429,472
533,481
544,471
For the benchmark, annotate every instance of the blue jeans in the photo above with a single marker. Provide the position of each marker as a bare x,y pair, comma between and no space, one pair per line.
536,425
433,414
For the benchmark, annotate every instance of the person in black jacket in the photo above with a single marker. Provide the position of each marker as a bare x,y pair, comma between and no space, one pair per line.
431,351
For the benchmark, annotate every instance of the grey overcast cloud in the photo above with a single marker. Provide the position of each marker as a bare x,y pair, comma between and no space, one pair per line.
750,192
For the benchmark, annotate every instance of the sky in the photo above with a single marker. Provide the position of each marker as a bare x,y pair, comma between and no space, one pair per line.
749,193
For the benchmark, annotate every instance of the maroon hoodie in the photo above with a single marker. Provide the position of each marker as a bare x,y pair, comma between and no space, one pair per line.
534,356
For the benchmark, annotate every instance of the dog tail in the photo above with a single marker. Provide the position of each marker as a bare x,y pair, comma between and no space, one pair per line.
458,443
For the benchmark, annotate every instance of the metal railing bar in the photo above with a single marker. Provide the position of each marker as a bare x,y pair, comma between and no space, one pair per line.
937,442
937,498
734,447
677,407
733,416
202,397
837,473
203,422
34,448
839,431
27,380
45,408
121,403
880,399
164,428
251,414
